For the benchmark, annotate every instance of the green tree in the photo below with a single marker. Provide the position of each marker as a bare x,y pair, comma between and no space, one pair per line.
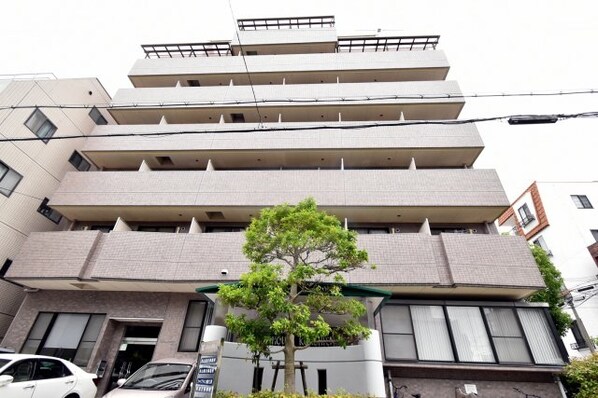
581,376
552,293
293,250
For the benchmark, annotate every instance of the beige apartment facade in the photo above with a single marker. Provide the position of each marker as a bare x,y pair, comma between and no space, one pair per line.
30,171
203,143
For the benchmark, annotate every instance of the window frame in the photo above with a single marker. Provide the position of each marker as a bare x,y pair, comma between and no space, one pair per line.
582,201
552,333
46,138
49,212
80,161
50,326
98,119
525,215
204,320
4,174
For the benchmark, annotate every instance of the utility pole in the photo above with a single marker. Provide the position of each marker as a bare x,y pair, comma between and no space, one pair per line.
586,292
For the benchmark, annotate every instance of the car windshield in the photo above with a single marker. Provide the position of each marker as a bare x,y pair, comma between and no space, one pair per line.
158,376
3,362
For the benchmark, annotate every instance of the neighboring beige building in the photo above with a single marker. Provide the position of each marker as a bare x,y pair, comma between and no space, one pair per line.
355,122
30,171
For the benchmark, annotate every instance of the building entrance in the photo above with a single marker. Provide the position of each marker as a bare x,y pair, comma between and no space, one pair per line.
136,349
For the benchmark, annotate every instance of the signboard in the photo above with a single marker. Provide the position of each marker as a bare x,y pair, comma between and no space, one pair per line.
208,365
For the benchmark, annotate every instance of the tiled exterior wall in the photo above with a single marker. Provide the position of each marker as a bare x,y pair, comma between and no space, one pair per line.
401,259
445,188
408,136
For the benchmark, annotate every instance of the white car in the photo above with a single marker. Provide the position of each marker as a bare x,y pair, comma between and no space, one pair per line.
165,378
37,376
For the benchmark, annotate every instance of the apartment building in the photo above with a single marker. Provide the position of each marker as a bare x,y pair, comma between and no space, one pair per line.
213,132
30,171
560,218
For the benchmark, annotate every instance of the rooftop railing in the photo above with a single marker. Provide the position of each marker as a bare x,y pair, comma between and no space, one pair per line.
326,21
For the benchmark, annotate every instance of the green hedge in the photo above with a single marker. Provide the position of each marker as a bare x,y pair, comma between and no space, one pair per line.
582,377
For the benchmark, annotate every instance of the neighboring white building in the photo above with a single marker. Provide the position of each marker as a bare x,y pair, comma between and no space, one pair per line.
30,172
562,218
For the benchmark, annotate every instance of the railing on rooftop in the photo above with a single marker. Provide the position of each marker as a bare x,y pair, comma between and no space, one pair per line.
326,21
187,50
395,43
28,76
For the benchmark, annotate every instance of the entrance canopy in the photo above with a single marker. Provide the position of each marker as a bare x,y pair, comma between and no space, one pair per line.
379,296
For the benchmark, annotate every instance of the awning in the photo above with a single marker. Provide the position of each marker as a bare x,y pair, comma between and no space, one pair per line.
348,290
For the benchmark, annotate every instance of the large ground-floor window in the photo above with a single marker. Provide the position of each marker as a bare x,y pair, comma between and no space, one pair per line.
469,333
69,336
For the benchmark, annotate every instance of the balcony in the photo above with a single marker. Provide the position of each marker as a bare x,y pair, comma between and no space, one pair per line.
214,70
442,196
445,265
290,103
381,147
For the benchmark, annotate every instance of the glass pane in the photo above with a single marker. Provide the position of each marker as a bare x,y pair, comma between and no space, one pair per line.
35,121
470,334
3,170
46,130
84,353
195,314
396,319
93,328
41,325
431,333
511,349
67,331
539,336
190,339
502,322
30,346
9,182
397,346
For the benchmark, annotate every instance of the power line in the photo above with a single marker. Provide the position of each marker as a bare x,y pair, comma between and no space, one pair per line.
271,127
320,100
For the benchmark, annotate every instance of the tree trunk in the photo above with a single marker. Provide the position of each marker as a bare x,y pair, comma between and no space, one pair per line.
289,352
289,364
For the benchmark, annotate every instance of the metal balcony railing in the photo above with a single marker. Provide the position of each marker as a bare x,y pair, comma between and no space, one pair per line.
326,21
394,43
527,220
187,50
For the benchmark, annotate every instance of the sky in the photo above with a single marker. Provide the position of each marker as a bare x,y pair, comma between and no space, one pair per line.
492,47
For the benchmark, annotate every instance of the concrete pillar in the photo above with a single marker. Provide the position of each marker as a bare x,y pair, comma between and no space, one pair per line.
194,228
231,83
412,164
280,118
144,166
402,117
425,228
342,163
163,120
340,118
121,225
221,119
178,83
346,224
210,166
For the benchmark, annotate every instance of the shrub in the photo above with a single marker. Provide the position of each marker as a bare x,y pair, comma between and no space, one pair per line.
582,375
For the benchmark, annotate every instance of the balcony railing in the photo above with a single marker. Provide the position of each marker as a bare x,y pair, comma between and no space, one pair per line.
326,21
395,43
187,50
527,220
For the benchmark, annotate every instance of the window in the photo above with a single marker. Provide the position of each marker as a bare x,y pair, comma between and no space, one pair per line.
237,117
77,160
581,201
48,212
322,382
40,125
541,243
64,335
193,83
97,117
156,228
50,369
525,215
216,229
365,231
196,313
21,371
469,334
5,267
9,179
250,52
